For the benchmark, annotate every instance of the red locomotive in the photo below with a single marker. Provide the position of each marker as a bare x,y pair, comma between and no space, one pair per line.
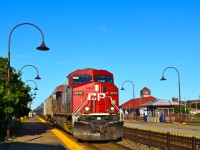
87,106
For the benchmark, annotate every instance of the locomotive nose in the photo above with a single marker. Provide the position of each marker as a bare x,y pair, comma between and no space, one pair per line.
101,128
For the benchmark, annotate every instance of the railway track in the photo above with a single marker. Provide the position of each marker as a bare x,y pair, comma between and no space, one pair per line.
124,144
108,146
93,145
143,139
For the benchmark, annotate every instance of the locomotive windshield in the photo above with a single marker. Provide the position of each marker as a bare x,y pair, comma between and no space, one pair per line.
81,79
99,78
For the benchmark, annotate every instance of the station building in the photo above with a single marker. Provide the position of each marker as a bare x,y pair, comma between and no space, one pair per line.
154,109
149,105
134,105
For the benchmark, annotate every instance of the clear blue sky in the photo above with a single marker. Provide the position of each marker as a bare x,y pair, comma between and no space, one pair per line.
134,39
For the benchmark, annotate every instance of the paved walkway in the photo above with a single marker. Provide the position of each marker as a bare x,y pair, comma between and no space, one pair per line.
175,128
35,135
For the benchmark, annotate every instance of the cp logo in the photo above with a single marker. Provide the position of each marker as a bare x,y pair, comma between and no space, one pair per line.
96,96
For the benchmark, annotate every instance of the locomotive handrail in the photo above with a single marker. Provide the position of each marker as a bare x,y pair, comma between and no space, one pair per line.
112,103
79,106
119,110
121,113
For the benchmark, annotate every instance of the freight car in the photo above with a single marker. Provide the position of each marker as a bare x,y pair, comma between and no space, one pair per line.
87,106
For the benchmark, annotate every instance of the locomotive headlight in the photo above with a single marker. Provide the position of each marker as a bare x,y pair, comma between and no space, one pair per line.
96,88
87,110
112,108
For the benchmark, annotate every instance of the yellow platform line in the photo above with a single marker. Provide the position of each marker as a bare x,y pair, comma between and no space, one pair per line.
67,141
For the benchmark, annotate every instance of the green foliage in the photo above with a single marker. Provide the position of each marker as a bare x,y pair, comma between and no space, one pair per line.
183,110
8,111
14,97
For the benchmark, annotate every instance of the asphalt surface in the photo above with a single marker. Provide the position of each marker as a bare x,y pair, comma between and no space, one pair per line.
34,135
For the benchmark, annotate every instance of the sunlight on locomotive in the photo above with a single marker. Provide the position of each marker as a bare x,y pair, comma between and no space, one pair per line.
96,88
98,118
112,108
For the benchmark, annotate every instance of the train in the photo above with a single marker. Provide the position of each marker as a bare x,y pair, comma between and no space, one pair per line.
87,106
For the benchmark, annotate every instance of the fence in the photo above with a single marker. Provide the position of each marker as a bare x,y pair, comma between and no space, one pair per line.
163,140
186,118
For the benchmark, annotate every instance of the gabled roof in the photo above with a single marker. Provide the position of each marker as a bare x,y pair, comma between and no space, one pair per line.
160,102
145,89
135,103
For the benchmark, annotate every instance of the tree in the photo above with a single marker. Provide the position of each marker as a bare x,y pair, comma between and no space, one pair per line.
183,110
3,88
14,97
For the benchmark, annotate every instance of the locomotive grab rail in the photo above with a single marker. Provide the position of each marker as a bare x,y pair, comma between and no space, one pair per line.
77,107
83,104
121,113
112,103
74,116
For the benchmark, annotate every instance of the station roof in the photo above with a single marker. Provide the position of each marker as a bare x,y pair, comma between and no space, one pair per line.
160,102
135,103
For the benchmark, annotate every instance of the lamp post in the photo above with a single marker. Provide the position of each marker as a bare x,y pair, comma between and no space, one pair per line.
179,89
33,95
133,89
42,47
37,77
35,84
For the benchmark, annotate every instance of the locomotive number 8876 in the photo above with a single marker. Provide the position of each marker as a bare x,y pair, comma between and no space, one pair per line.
87,106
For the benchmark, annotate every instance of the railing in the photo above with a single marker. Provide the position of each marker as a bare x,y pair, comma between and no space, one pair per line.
163,140
186,118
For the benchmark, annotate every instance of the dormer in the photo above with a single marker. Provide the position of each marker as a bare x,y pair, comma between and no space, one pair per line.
145,92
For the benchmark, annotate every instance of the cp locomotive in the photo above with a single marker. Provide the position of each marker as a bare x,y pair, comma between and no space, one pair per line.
87,106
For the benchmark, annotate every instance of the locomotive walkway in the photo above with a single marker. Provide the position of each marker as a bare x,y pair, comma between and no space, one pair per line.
35,134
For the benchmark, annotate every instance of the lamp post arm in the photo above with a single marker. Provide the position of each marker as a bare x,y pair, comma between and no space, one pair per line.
133,87
32,81
26,23
31,66
179,87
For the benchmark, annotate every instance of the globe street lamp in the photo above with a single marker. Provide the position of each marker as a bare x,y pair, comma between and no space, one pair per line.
42,47
179,89
37,77
34,82
133,90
